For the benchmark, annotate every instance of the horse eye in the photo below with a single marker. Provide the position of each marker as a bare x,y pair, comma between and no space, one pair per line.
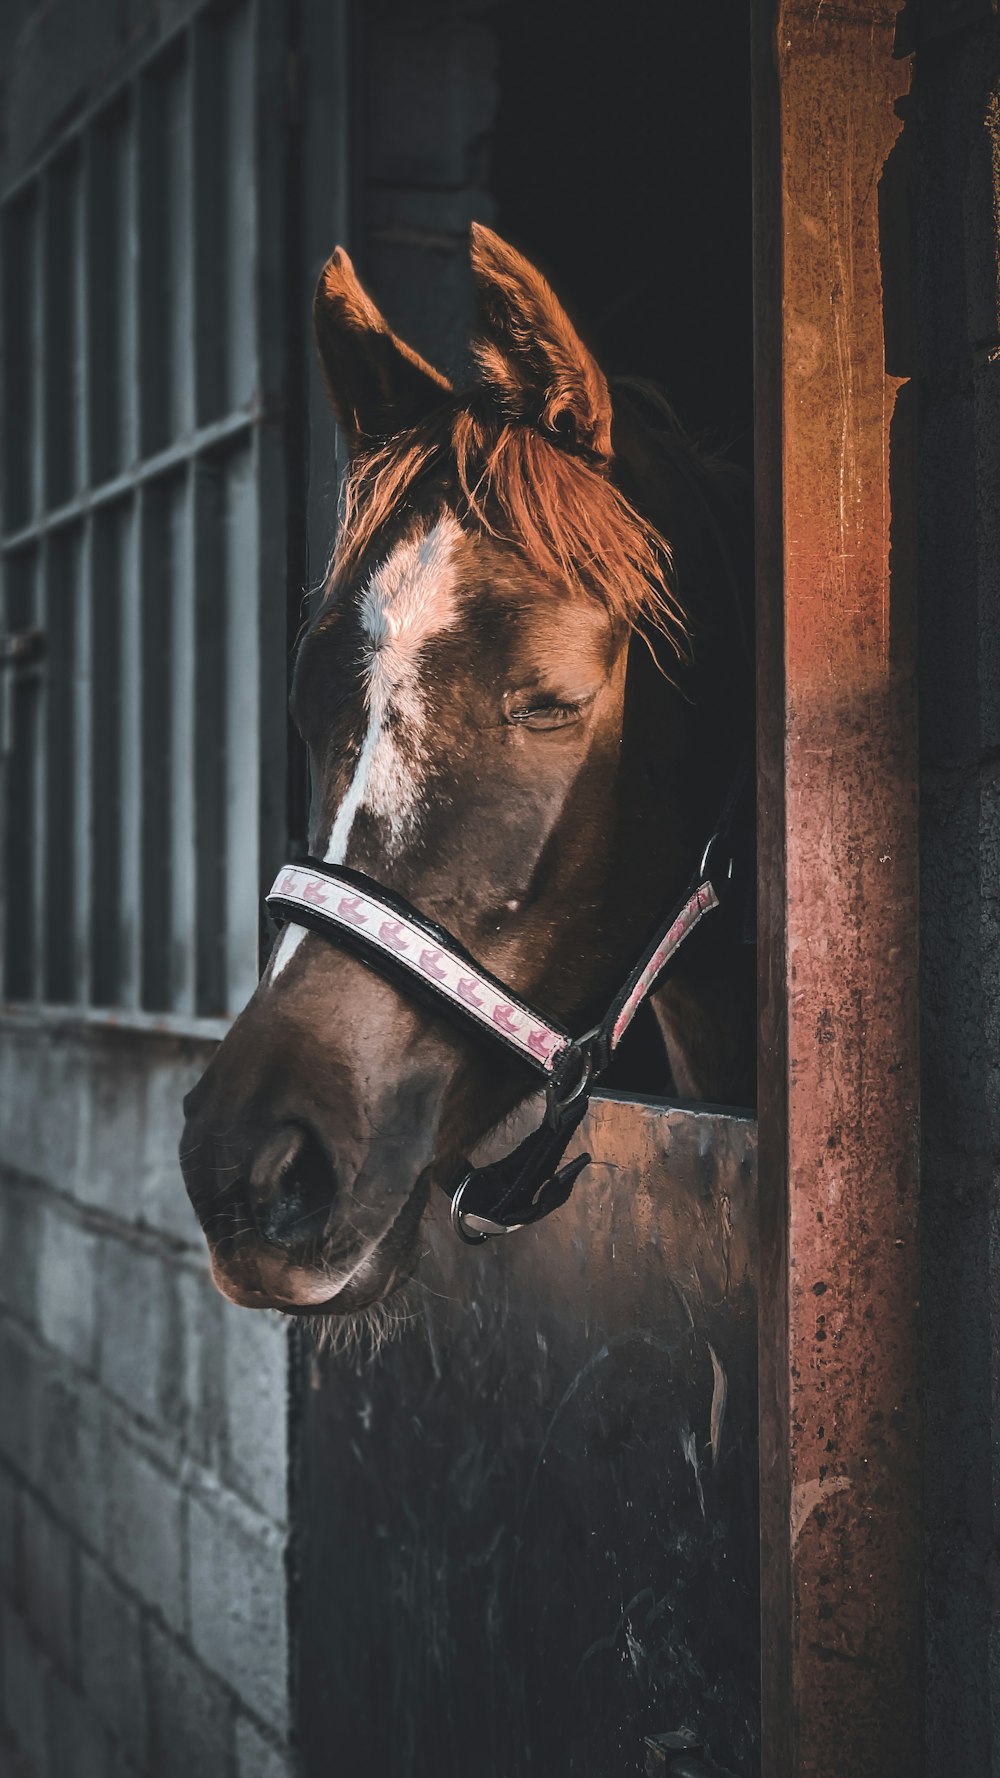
539,716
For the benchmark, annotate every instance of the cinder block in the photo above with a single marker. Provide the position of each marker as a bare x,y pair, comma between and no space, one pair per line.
23,1669
145,1541
23,1370
66,1287
68,1463
40,1068
202,1317
190,1713
49,1572
238,1603
111,1667
78,1745
20,1244
109,1152
140,1336
163,1203
12,1763
255,1398
257,1757
10,1531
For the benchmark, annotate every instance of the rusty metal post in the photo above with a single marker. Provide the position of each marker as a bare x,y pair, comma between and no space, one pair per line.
840,1474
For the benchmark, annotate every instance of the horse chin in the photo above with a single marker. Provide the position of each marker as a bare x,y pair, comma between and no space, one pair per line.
319,1286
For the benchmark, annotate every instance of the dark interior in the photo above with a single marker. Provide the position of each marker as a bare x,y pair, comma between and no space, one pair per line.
621,166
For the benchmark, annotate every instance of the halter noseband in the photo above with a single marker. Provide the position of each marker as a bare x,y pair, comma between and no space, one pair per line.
403,945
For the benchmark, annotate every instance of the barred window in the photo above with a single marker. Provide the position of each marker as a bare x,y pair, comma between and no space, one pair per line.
142,537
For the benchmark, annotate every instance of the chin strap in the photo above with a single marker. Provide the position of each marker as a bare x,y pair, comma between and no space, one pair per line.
398,941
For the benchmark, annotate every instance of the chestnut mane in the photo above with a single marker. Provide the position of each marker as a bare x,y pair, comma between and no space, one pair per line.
557,505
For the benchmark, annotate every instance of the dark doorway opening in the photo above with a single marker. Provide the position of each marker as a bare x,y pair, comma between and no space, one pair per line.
621,166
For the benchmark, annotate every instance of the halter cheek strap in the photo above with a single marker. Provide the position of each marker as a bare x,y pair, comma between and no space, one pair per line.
429,963
401,942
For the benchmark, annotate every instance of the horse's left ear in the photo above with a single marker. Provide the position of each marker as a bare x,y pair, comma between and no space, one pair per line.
530,356
376,383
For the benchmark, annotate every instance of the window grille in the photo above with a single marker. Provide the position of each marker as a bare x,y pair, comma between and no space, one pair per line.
142,537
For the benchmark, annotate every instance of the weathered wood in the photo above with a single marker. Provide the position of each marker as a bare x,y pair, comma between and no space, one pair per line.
839,1346
532,1523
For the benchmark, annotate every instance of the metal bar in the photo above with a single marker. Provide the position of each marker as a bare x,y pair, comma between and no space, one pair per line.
280,303
241,202
107,530
83,781
129,269
83,789
211,722
130,69
175,456
84,295
49,1017
36,319
184,761
36,351
839,1360
58,300
154,596
329,170
59,854
209,315
130,835
130,562
20,876
178,122
242,734
107,249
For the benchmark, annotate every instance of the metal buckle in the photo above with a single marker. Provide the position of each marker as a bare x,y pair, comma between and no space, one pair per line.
475,1237
556,1099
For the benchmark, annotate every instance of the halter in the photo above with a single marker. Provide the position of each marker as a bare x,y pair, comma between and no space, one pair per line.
403,945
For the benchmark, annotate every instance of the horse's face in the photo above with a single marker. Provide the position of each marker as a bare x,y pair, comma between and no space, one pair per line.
463,716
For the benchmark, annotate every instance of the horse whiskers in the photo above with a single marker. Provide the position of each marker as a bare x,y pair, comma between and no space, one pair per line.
364,1333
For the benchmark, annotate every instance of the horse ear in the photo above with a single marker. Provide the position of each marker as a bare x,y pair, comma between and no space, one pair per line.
530,356
377,385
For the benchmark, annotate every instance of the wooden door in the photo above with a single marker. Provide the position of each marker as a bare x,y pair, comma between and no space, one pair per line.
529,1528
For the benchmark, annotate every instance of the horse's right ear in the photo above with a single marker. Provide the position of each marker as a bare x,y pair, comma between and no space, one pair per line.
376,384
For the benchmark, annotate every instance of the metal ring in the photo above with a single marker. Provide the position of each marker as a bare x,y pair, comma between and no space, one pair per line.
471,1239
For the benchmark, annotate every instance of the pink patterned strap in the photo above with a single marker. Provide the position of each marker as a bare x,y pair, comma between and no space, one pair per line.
699,904
330,899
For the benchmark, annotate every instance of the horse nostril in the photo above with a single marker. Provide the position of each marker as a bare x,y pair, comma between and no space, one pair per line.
292,1187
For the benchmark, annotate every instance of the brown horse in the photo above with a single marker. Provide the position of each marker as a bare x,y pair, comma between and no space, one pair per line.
523,697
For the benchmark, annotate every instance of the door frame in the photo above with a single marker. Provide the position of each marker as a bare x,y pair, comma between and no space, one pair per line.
838,880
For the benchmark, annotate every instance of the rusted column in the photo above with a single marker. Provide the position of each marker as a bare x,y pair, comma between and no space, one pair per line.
838,1143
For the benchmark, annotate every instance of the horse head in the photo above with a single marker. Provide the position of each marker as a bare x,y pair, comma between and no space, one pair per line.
511,721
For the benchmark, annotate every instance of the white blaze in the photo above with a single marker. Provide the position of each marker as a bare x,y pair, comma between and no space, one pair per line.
409,599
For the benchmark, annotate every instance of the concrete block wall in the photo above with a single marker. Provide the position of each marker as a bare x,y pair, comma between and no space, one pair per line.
956,119
143,1438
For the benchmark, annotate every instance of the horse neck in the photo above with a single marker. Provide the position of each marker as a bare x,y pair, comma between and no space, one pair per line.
697,717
